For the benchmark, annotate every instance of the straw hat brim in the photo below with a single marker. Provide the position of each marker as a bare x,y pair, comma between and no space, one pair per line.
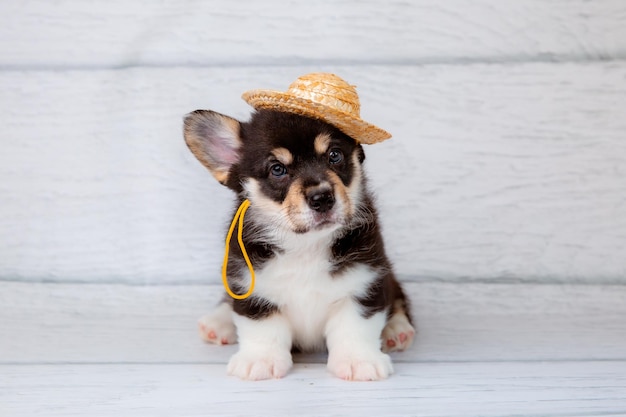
356,128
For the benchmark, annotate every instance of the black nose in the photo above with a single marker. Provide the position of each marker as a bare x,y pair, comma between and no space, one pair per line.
321,200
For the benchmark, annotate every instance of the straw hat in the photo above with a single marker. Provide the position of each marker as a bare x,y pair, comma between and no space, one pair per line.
321,96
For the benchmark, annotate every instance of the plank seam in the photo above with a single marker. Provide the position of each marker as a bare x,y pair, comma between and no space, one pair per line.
289,63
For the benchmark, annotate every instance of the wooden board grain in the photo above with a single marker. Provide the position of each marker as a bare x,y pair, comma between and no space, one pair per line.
74,323
495,172
118,33
442,389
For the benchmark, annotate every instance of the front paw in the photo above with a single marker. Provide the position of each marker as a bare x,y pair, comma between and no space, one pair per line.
218,327
254,366
366,366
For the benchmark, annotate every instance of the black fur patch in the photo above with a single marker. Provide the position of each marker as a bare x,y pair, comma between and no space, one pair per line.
362,243
385,293
254,307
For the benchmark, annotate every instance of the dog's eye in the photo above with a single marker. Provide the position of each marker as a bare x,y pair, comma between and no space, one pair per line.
278,170
335,156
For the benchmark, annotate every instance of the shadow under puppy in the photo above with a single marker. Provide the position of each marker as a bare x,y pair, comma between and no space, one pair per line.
323,279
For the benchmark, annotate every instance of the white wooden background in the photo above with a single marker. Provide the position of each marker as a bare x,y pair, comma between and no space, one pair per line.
507,163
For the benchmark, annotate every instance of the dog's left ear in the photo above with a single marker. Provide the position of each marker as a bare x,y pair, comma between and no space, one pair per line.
215,140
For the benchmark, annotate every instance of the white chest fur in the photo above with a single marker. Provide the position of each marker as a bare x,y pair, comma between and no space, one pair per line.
299,282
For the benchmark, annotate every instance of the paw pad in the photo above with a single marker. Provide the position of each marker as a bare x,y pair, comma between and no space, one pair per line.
218,328
398,334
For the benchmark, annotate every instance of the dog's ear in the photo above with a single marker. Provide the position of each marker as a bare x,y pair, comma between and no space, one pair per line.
215,140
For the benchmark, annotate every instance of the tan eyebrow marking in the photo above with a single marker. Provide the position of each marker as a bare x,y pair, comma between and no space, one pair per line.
321,143
283,155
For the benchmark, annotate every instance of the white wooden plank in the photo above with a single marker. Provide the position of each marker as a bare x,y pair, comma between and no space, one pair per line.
450,389
63,323
67,33
495,172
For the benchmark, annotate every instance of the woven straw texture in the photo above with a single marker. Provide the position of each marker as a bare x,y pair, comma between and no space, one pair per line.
322,96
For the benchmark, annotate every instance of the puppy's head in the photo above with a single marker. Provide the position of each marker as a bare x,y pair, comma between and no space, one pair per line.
299,173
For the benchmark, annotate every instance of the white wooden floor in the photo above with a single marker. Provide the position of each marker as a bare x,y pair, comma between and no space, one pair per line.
482,349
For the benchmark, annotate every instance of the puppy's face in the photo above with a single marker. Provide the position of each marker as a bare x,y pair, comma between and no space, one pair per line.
300,174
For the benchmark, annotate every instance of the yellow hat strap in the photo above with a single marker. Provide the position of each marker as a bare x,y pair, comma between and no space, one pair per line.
239,215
